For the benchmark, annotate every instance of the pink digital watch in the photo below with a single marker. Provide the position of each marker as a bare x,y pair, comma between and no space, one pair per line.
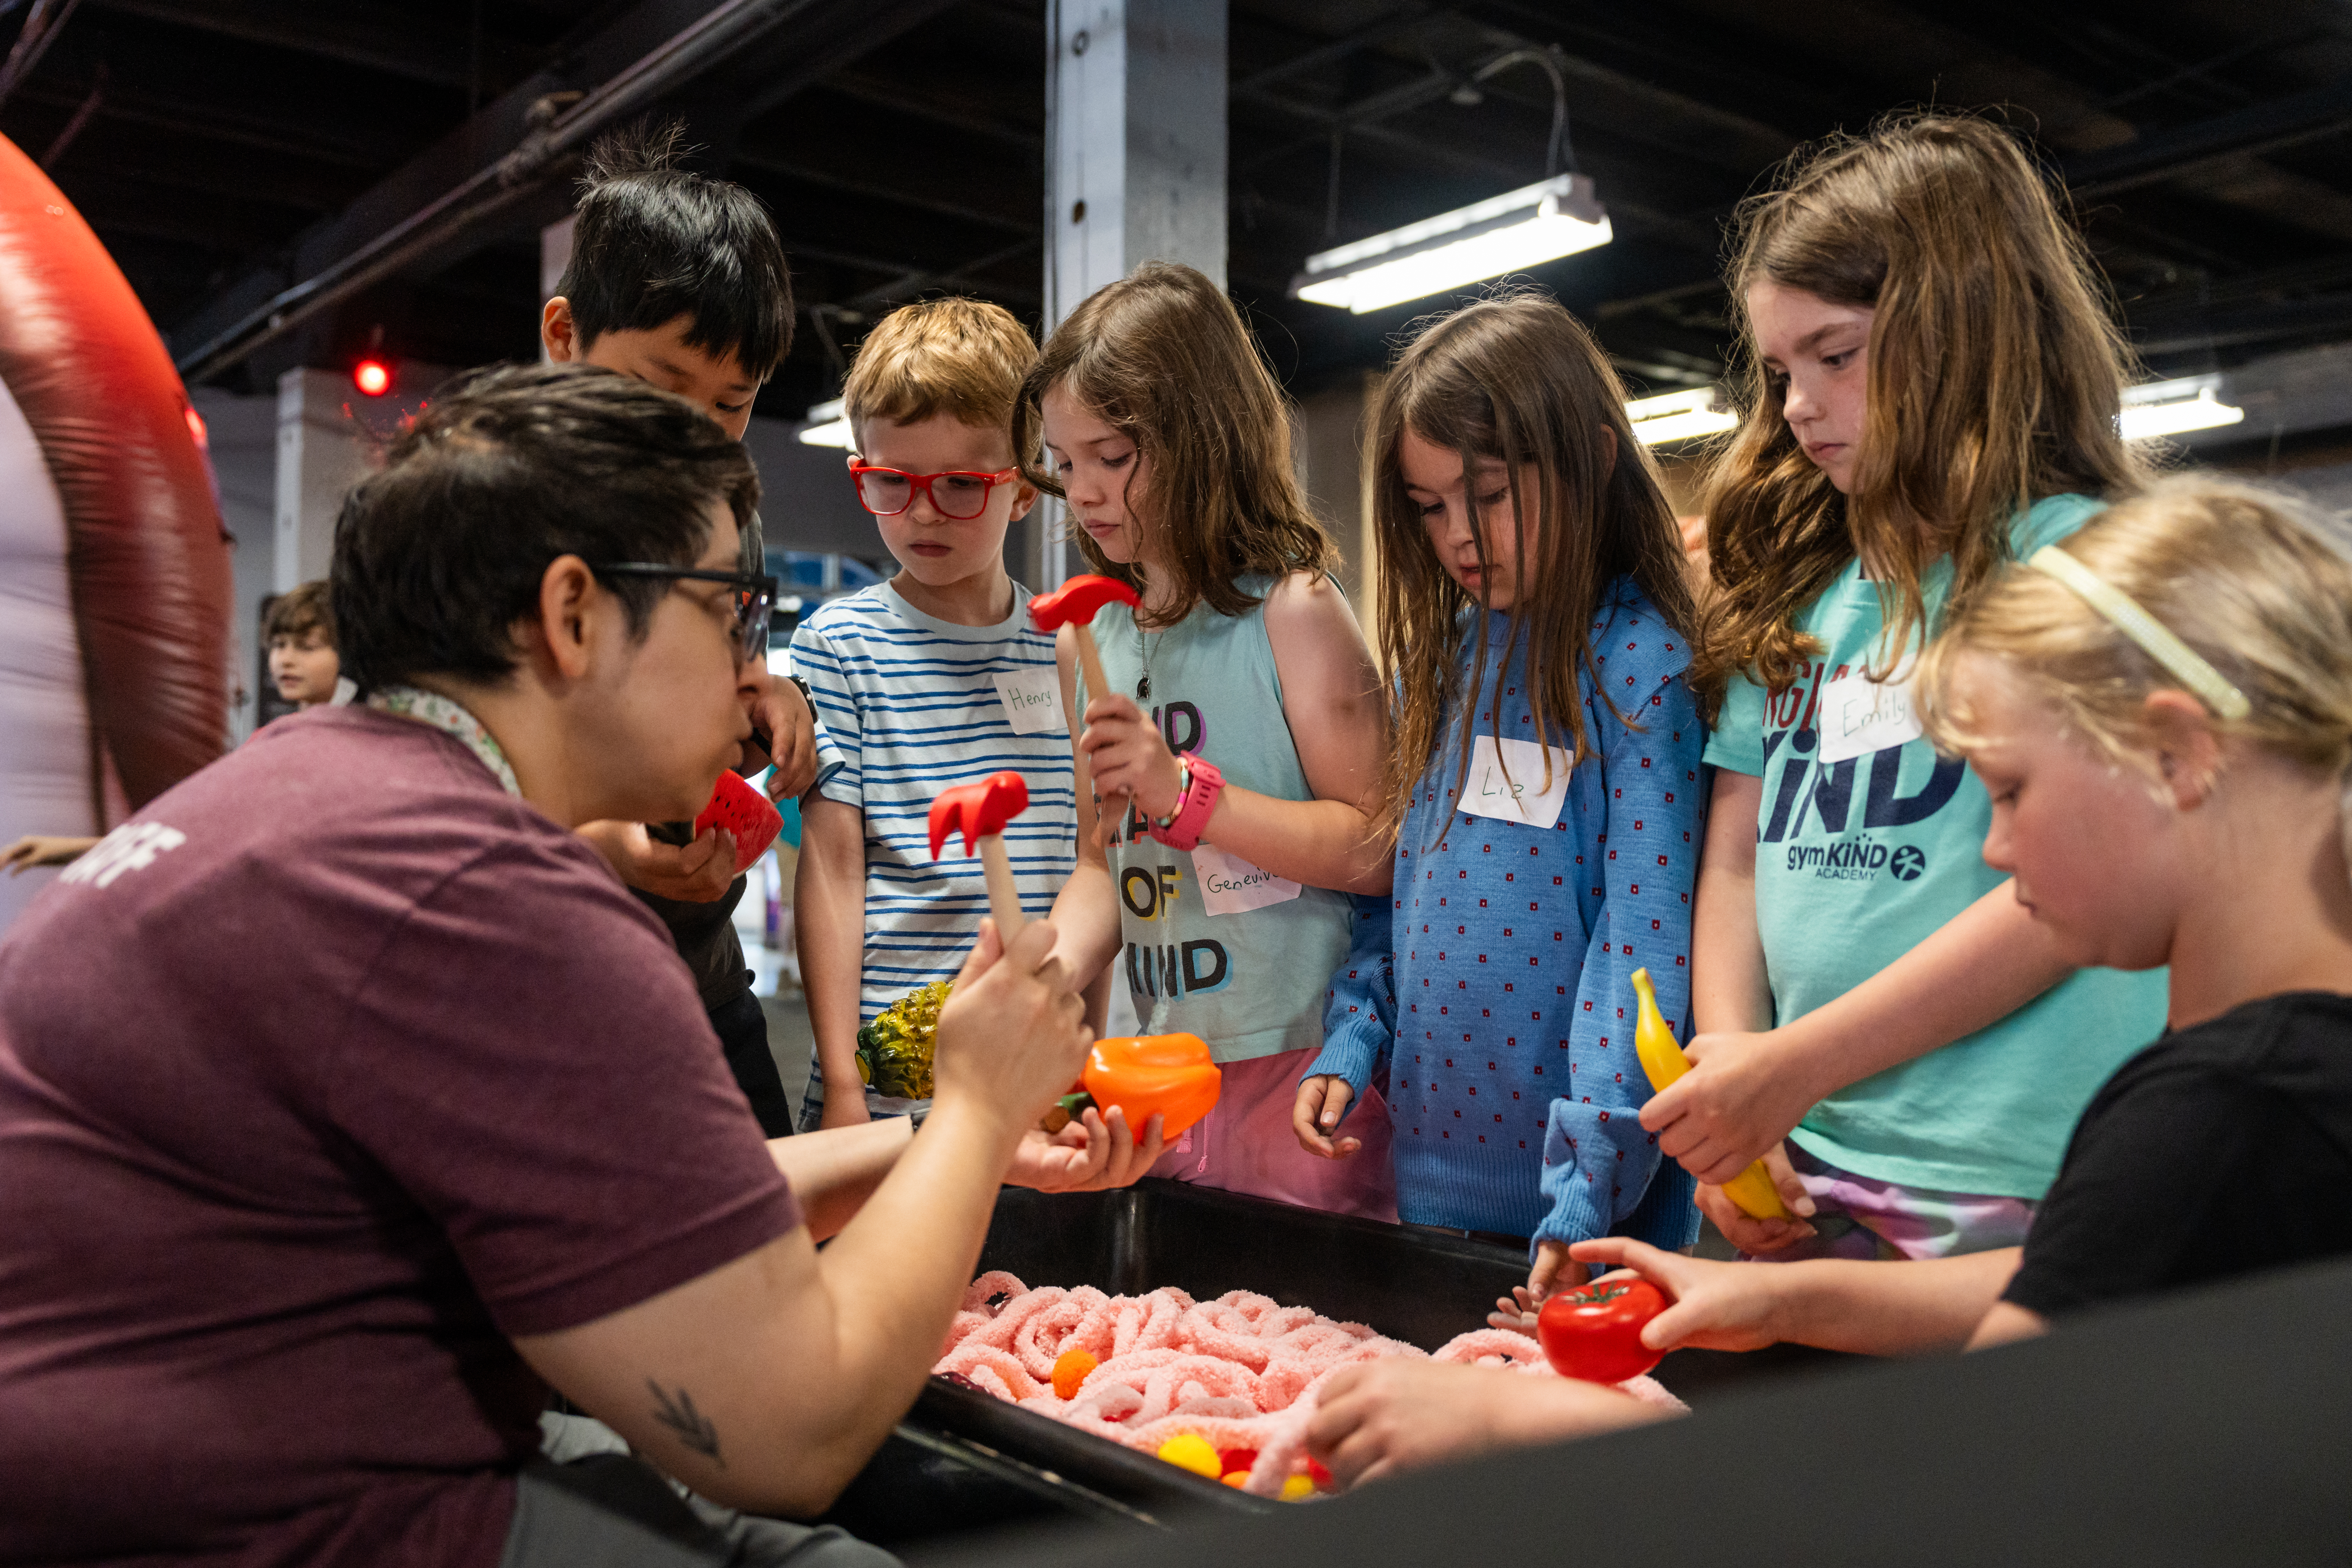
1181,828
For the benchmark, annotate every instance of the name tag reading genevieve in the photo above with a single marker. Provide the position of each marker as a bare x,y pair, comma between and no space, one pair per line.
1507,781
1860,716
1230,884
1032,698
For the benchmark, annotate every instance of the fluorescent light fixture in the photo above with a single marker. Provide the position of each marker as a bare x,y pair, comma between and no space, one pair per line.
1503,234
2170,407
825,427
1678,416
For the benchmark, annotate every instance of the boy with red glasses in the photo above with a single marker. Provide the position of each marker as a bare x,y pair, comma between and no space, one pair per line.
933,678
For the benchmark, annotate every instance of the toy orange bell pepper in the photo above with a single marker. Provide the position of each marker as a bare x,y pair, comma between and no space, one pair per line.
1070,1372
1172,1075
1664,1061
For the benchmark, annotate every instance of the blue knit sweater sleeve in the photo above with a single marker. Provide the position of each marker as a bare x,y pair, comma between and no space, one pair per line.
1360,1011
1602,1171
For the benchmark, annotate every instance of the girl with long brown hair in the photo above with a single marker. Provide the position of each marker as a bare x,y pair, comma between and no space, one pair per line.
1543,787
1241,742
1933,386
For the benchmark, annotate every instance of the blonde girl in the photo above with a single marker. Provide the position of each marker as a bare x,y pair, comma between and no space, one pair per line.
1933,386
1240,748
1537,619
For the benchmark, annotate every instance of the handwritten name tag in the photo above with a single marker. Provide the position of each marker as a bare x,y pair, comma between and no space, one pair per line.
1230,884
1507,781
1032,698
1859,716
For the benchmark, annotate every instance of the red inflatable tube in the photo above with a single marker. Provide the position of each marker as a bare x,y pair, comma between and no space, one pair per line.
148,562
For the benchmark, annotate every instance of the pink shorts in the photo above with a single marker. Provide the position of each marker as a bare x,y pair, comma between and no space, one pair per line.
1247,1145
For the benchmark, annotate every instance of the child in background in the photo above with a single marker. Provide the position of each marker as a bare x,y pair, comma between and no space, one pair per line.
1536,616
934,678
1934,392
1240,748
301,632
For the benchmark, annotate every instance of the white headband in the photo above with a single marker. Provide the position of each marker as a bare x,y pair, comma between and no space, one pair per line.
2185,663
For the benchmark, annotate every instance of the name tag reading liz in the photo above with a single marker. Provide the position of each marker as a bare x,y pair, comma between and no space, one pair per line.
1230,884
1033,700
1507,781
1860,716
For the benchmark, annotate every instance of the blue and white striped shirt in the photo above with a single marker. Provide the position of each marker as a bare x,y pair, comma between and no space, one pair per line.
906,705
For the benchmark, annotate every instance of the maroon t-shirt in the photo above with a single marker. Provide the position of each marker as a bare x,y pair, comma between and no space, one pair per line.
339,1068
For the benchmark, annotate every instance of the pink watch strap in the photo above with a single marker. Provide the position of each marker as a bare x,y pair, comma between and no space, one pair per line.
1200,798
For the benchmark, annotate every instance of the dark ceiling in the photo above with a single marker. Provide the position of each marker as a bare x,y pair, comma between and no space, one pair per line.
219,148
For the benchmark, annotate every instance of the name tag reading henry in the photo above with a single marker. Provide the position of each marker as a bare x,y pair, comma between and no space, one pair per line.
1032,698
1507,781
1230,884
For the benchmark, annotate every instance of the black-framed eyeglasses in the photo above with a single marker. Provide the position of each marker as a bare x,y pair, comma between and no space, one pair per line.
755,597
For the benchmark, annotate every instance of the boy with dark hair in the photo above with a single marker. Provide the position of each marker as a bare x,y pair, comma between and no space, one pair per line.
292,1244
300,632
679,280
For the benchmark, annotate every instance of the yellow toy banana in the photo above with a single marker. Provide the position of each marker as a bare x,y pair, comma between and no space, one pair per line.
1664,1061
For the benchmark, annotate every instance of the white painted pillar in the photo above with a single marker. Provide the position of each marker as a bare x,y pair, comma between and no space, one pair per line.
1135,169
323,451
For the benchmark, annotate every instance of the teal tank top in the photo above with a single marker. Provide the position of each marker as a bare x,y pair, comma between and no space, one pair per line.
1250,979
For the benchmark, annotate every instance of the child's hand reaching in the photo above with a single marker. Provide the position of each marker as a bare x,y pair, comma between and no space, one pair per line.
1127,755
1552,1270
1315,1116
1756,1236
1715,1306
1743,1094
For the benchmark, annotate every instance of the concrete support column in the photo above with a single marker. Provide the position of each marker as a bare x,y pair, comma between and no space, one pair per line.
323,451
1135,137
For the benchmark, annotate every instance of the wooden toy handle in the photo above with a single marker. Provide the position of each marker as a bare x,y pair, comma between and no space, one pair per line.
1003,900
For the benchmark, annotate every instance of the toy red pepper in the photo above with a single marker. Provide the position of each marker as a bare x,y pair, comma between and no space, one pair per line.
1172,1075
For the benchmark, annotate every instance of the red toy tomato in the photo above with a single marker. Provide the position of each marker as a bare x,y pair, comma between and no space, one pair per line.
1595,1332
744,812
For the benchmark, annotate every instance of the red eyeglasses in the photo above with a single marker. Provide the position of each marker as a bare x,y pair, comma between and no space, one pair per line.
887,492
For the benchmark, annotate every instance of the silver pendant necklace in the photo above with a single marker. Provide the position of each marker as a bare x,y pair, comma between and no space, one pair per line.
1143,651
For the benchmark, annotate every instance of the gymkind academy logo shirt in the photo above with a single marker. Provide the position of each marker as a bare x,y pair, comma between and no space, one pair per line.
1868,842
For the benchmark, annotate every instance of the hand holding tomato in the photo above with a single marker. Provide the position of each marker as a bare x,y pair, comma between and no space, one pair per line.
1594,1331
1716,1305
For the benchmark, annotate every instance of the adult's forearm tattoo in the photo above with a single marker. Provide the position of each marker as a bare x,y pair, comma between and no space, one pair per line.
693,1427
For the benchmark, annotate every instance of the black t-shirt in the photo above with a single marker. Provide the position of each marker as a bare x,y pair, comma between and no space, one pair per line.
2218,1150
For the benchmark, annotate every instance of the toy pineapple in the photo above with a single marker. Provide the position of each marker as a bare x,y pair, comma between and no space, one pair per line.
894,1051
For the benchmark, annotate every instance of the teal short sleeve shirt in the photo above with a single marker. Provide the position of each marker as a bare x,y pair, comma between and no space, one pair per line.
1860,859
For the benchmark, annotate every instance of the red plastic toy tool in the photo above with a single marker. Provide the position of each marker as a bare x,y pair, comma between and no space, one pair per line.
1074,604
744,812
980,812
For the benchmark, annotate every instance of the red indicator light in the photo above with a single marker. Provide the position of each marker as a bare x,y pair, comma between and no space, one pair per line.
372,377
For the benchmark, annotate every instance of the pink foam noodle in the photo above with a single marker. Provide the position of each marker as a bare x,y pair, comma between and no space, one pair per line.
1240,1372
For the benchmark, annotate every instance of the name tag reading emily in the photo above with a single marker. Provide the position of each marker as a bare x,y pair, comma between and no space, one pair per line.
1032,698
1507,781
1860,716
1230,884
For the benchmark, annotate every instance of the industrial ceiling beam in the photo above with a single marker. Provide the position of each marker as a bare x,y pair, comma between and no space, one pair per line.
384,40
2263,127
443,200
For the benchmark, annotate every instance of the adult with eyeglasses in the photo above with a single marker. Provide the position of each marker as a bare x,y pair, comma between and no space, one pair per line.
347,1103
